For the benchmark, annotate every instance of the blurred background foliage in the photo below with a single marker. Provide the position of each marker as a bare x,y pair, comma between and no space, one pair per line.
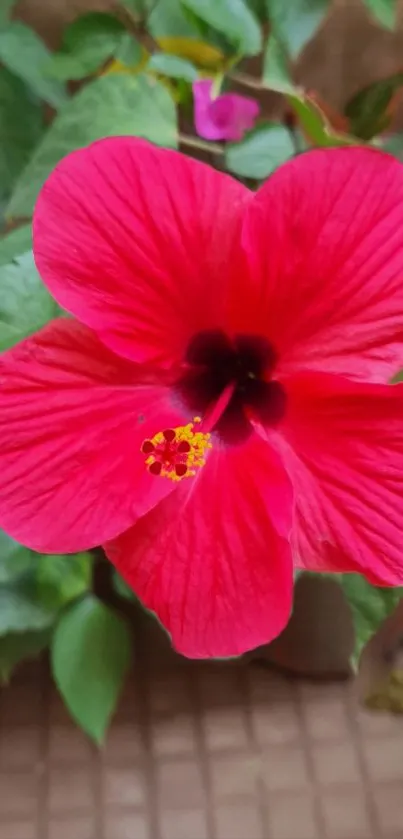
132,70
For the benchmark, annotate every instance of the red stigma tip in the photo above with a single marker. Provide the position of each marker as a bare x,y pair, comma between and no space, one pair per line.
180,469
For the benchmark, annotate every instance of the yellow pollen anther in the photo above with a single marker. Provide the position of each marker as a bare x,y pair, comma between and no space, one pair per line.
177,453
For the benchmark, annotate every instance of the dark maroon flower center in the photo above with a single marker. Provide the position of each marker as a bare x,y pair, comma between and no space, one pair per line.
213,362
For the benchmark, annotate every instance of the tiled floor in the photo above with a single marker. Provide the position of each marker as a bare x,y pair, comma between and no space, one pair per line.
197,751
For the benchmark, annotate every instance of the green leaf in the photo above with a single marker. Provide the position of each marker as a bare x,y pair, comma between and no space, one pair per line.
15,243
25,304
91,652
294,22
15,560
384,11
64,66
370,606
276,73
62,577
95,33
17,646
87,43
20,610
169,19
129,51
366,110
260,152
170,65
115,104
315,124
25,54
206,32
233,19
21,127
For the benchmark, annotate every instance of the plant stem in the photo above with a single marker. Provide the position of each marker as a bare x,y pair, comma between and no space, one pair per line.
202,145
137,28
247,81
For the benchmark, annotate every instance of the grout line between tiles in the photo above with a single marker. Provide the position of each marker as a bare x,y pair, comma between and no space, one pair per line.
368,794
306,745
198,713
262,792
142,688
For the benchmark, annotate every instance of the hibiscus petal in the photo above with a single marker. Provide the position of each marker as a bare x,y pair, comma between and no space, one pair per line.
135,241
213,561
72,420
324,240
343,448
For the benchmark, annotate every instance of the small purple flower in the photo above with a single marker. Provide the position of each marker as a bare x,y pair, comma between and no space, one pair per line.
226,117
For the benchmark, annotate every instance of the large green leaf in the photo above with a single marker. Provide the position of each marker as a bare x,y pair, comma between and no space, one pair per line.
172,66
21,127
258,154
17,646
15,243
115,104
25,54
294,22
367,109
384,11
25,304
91,652
87,43
233,19
276,73
15,560
370,606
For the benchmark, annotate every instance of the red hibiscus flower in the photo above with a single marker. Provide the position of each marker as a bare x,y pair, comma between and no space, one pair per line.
217,413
